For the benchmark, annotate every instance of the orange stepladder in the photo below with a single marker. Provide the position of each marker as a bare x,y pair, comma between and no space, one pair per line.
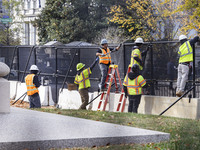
113,74
122,102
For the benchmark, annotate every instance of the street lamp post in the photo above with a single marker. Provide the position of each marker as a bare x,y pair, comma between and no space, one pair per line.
7,33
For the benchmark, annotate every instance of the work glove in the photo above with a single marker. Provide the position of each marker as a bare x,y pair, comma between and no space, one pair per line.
118,47
97,59
103,55
126,95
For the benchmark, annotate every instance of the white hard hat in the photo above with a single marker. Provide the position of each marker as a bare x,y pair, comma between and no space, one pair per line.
33,67
181,37
139,40
104,41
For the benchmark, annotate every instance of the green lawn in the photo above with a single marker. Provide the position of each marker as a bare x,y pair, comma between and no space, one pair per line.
185,133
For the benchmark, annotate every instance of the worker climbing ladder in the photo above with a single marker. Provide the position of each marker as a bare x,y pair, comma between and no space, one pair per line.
113,74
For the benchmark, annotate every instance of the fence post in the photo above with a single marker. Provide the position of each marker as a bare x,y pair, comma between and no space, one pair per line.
11,64
56,49
35,56
194,71
124,59
29,57
152,72
18,64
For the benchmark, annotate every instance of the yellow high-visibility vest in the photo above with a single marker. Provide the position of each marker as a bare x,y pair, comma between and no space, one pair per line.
136,53
134,86
31,89
105,59
83,79
185,52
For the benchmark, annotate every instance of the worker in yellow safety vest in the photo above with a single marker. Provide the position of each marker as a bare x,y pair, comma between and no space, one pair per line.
137,55
32,84
133,83
83,82
104,61
186,57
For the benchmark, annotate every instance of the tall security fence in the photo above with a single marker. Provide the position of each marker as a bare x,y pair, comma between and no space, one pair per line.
58,63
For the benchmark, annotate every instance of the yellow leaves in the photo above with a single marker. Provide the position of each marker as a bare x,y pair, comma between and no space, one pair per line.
191,12
131,29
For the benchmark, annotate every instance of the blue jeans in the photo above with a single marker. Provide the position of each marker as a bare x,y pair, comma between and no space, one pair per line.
104,72
34,101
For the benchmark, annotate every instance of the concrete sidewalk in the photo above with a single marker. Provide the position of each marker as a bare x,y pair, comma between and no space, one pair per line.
30,129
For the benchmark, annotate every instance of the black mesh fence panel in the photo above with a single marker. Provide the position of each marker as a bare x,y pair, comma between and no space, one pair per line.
160,65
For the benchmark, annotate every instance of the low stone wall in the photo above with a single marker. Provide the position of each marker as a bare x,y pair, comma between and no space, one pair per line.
149,104
182,109
18,89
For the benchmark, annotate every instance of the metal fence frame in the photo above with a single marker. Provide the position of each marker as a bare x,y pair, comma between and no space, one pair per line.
152,80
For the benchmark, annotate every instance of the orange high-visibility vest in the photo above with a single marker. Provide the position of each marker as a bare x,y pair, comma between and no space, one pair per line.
105,59
31,89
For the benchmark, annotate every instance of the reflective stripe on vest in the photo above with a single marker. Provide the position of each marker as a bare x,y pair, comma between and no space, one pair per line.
134,86
185,52
31,89
83,79
105,59
133,61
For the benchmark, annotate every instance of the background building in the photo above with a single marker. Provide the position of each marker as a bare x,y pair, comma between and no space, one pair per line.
29,9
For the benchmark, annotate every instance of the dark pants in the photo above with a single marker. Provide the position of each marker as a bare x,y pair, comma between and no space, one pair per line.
134,101
34,101
104,72
84,98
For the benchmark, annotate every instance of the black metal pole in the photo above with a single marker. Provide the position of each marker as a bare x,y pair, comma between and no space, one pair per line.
68,71
152,72
19,98
94,98
12,61
194,71
18,64
177,100
8,42
124,59
56,71
35,56
27,63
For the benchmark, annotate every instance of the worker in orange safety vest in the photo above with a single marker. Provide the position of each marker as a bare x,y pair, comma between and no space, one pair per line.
32,84
104,61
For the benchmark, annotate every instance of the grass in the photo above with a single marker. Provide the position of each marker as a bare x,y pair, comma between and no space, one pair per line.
185,133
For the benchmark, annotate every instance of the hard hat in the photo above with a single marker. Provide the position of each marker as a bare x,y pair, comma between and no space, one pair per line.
33,67
135,68
181,37
79,66
104,41
139,40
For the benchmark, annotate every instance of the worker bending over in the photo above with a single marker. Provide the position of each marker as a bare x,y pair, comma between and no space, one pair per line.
186,57
104,61
82,79
32,84
133,83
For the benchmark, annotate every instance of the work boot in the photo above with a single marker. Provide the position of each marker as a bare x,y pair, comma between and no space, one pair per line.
179,93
